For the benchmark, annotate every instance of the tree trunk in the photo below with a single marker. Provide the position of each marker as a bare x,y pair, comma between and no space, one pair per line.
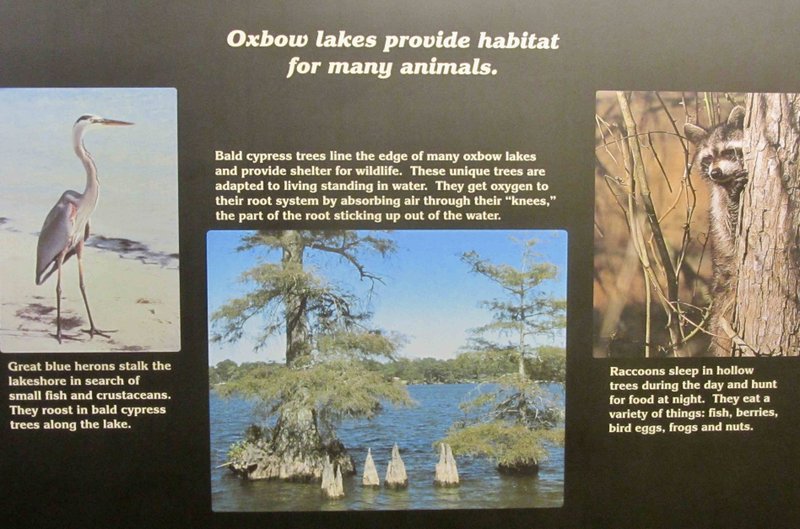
521,333
521,357
295,303
767,317
295,451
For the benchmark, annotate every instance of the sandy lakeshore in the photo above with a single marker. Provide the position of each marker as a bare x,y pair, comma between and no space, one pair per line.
133,294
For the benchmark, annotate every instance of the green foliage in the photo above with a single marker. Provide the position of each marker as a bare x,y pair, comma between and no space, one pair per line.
279,292
349,244
328,342
466,367
237,450
517,399
359,345
548,365
510,423
525,311
272,286
335,390
222,372
474,366
228,370
505,443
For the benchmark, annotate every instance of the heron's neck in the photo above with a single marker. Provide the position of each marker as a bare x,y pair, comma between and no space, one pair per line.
92,182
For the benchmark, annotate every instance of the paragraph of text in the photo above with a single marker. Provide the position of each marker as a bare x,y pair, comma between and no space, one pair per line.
77,395
687,400
377,188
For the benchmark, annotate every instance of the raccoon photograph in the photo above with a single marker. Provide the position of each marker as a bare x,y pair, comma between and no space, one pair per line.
696,224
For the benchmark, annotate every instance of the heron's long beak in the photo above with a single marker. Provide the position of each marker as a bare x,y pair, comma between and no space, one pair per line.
114,122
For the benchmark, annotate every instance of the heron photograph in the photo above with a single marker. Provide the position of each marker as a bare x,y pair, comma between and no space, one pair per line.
89,220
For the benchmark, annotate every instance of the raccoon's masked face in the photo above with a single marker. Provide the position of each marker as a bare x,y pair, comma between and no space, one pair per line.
723,164
719,150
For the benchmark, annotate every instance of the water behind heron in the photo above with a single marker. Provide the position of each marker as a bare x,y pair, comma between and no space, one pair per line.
415,430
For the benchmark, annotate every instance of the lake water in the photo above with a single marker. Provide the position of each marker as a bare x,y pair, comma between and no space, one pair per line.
415,430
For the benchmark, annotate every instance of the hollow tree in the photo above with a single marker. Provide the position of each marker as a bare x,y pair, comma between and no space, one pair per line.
767,317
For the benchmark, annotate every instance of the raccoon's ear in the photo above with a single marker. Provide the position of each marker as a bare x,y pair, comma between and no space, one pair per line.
694,133
736,119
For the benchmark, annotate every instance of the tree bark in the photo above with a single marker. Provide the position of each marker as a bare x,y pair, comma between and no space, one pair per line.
767,315
299,444
295,451
295,303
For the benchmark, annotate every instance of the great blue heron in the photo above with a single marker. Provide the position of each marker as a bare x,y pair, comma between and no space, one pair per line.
67,225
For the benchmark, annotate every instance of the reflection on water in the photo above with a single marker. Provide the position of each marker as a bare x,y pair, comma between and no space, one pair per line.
415,430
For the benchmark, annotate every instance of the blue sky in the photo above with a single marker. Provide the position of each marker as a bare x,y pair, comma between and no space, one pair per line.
137,166
429,294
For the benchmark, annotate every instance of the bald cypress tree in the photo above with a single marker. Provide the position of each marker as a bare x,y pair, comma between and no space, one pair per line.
511,422
328,339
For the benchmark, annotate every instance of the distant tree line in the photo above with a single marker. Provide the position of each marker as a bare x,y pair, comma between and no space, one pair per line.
550,366
339,366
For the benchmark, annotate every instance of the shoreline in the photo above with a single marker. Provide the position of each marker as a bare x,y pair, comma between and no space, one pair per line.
133,292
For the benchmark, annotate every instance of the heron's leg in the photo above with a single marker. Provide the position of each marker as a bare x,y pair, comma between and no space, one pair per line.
92,329
58,296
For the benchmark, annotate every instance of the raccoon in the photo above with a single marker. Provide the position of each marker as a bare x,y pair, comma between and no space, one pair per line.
719,156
